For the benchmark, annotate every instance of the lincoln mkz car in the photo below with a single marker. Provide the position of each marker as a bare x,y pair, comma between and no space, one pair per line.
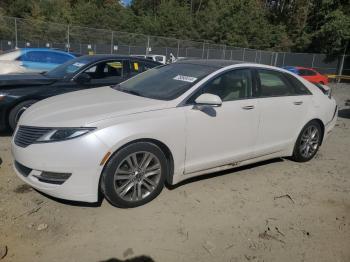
19,91
166,125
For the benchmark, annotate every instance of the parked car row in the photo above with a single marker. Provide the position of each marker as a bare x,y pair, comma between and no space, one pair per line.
166,125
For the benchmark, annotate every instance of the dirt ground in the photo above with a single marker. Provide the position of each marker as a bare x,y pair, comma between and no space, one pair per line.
273,211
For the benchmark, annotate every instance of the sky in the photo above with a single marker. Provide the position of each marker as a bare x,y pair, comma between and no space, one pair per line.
126,2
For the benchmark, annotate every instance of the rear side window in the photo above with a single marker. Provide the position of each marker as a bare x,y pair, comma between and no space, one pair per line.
299,87
273,83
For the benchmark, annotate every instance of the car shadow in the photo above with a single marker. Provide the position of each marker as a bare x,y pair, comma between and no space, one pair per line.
225,172
73,203
344,113
5,133
134,259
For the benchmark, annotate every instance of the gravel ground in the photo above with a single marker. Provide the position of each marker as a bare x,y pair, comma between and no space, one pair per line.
273,211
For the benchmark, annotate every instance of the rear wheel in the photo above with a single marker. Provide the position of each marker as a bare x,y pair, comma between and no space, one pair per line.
17,111
135,175
308,142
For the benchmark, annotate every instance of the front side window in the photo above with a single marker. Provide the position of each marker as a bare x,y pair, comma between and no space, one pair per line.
273,83
233,85
165,82
106,69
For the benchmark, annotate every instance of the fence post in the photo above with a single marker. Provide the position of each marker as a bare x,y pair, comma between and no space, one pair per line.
313,60
243,54
147,48
276,59
178,48
224,52
68,41
16,34
203,50
112,43
341,65
256,55
231,54
284,57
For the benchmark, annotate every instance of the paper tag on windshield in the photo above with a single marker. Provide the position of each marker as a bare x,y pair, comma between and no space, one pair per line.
77,64
185,78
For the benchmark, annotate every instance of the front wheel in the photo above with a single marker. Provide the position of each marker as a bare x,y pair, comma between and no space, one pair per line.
135,175
308,142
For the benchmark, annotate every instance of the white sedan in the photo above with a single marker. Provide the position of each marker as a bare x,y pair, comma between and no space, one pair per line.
166,125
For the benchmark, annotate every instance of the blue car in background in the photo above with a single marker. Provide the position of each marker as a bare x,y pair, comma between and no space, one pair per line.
32,60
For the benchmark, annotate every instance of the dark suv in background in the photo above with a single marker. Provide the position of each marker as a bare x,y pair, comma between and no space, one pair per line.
19,91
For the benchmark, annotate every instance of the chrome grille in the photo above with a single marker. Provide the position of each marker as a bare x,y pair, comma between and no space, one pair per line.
27,135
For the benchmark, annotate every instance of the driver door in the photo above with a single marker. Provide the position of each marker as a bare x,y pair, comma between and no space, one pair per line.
104,73
218,136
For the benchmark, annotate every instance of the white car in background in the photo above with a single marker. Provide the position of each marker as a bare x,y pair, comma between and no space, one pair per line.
157,58
166,125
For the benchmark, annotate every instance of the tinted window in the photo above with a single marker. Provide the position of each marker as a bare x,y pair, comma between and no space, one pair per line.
106,69
70,67
299,87
165,82
306,72
233,85
273,83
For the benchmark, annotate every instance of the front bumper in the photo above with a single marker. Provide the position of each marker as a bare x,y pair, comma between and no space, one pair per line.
78,157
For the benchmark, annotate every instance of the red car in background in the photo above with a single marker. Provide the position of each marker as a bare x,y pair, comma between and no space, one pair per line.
309,74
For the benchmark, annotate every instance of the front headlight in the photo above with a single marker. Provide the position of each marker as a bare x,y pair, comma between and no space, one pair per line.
60,134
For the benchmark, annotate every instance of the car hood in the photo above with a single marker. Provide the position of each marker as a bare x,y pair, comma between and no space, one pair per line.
24,80
82,108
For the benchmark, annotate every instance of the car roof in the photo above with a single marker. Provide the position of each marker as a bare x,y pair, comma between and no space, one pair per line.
44,49
217,63
93,58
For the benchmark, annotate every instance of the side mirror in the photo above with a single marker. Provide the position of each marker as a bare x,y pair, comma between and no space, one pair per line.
209,100
83,78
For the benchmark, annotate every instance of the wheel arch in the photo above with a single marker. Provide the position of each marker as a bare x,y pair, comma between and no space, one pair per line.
320,122
163,147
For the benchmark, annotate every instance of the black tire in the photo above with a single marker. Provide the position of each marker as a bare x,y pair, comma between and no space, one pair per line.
111,187
17,111
300,153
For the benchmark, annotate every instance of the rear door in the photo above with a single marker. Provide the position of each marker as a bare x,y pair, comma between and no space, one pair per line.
283,105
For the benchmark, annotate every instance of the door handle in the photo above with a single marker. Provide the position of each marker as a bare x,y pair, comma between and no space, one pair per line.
298,103
248,107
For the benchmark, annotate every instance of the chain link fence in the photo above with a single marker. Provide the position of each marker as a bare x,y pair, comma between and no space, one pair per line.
21,33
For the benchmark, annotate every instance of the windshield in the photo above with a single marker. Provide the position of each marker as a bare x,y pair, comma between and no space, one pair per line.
68,68
165,82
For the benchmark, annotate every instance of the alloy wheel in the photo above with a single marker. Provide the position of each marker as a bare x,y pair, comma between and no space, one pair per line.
309,141
137,176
